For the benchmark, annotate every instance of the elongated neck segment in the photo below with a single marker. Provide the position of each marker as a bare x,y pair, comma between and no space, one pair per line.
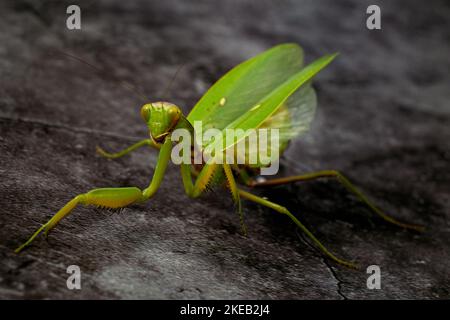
184,123
184,130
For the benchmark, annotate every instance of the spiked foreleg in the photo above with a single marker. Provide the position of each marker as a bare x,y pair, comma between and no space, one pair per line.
202,180
231,183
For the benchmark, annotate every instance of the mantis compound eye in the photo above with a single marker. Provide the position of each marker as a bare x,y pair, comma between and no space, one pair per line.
174,113
145,112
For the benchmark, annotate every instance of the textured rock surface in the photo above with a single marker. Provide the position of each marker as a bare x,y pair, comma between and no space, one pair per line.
383,119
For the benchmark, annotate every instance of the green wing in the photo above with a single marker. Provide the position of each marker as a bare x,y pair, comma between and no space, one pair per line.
294,116
265,91
246,84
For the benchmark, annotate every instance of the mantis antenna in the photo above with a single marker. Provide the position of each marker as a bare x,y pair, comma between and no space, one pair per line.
122,83
166,91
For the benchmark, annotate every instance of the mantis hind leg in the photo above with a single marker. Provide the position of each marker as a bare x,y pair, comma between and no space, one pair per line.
347,184
308,233
104,198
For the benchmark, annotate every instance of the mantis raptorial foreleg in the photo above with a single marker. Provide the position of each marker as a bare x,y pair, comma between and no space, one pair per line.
110,197
231,183
202,180
347,184
145,142
283,210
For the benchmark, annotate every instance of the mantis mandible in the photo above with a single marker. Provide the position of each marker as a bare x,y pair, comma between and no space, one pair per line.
270,90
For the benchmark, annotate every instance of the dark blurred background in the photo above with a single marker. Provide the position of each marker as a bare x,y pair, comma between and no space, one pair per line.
383,120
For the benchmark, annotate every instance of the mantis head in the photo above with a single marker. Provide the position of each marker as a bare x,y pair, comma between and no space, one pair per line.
161,119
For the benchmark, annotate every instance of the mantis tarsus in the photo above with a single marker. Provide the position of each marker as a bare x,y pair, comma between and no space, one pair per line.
270,90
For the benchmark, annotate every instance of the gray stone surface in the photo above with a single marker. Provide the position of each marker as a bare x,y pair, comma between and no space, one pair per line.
383,120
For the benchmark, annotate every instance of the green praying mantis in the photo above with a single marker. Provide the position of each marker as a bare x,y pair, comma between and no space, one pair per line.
271,90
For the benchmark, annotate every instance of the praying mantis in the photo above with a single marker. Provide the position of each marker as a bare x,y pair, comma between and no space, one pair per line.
271,90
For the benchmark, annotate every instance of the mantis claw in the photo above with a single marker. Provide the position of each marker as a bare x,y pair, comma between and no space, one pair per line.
102,152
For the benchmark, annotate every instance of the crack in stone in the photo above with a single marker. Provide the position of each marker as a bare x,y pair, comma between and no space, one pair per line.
316,253
339,282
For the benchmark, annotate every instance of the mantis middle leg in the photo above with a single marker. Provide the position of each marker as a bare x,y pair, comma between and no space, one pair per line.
142,143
